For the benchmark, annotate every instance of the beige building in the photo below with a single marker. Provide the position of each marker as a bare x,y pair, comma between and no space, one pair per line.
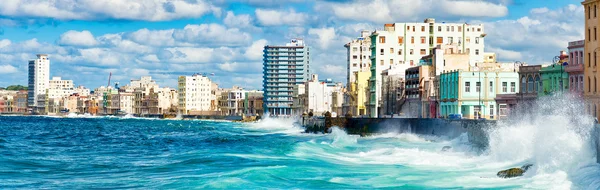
590,71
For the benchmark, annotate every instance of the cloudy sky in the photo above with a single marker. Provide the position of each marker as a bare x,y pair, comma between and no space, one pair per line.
88,39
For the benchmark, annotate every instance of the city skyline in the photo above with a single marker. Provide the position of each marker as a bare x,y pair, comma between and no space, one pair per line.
86,46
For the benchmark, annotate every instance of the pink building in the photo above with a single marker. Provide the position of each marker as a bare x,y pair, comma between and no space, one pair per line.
575,67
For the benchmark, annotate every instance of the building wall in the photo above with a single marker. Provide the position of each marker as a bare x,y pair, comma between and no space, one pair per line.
59,88
358,55
39,73
195,94
405,43
284,67
575,67
551,80
591,74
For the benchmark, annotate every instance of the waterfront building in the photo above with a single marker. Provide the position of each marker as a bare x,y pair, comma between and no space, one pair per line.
591,47
253,103
554,77
82,91
39,73
405,44
318,95
358,90
228,101
298,98
531,87
196,94
575,67
358,56
472,93
283,68
59,88
419,92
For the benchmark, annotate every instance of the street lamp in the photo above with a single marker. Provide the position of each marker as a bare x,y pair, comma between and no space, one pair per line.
557,60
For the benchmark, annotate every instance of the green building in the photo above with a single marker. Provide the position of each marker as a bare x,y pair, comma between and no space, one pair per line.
473,93
551,80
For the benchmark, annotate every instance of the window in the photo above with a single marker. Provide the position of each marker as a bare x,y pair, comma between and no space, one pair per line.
354,49
440,40
539,83
447,28
354,65
354,57
476,40
411,62
467,86
452,28
478,87
589,60
411,51
588,35
504,87
595,11
595,34
392,50
423,39
530,83
380,62
422,28
400,52
450,40
423,51
382,39
589,85
476,52
589,12
491,86
439,28
523,84
400,40
595,84
468,40
391,61
595,59
381,52
459,28
491,111
412,40
513,86
478,29
413,28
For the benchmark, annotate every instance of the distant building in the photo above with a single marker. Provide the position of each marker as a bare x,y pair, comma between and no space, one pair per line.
39,73
318,95
393,86
284,67
59,88
358,93
196,94
591,46
358,55
555,79
405,44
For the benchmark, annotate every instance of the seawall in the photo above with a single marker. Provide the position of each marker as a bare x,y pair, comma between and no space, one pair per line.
475,129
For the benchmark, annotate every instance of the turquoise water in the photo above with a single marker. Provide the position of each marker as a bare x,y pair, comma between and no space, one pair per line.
111,153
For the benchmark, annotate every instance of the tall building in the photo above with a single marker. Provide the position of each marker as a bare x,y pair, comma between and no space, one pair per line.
359,56
591,47
283,68
404,44
39,73
195,94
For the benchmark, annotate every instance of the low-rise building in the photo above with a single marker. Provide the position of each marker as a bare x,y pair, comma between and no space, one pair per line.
472,93
575,67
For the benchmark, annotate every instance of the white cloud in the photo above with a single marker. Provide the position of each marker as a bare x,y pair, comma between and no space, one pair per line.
148,10
76,38
381,11
255,51
278,18
214,34
230,67
139,72
324,35
7,69
333,70
4,43
238,21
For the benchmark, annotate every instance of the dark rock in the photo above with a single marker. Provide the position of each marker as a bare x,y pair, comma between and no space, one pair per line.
514,172
446,148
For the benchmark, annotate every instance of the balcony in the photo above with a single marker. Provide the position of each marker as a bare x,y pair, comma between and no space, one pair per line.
574,68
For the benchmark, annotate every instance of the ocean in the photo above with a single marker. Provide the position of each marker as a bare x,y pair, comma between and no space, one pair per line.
135,153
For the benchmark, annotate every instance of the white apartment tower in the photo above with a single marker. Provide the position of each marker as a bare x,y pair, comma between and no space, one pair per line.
359,55
404,44
195,93
39,73
59,88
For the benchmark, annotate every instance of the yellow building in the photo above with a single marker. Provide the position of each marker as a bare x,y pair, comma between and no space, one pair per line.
591,54
358,93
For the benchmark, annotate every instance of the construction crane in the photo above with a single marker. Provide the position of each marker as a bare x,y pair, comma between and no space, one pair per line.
109,76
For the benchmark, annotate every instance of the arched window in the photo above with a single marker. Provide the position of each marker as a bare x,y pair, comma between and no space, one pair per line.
530,83
523,85
538,82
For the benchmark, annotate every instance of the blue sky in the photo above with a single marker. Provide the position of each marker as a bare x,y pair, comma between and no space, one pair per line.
88,39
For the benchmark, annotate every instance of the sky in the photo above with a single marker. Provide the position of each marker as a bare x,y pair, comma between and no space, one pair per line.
88,39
